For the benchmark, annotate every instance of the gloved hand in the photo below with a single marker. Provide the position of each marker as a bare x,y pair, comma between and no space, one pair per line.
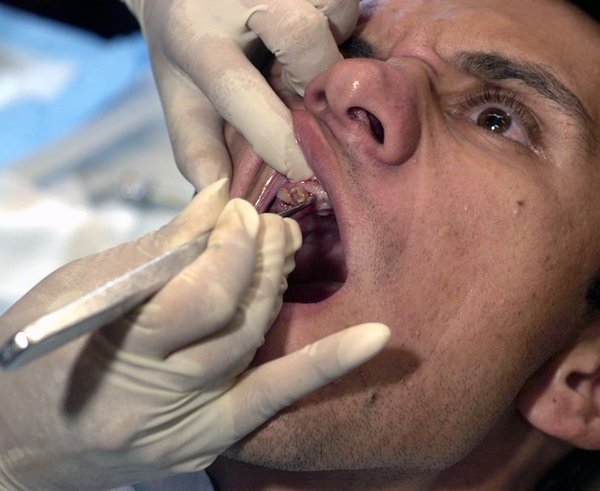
163,390
201,53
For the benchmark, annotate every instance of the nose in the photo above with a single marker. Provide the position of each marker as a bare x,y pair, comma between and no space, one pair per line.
369,106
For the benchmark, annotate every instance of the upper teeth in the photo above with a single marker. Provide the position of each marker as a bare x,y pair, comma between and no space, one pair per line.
299,194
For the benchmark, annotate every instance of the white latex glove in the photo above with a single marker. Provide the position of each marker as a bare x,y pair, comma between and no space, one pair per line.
163,390
201,53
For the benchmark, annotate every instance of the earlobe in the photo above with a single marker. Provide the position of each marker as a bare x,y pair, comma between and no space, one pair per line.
563,398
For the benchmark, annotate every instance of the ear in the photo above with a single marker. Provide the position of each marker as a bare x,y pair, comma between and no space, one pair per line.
562,399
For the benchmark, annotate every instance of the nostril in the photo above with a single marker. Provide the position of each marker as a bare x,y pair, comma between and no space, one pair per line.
376,128
367,118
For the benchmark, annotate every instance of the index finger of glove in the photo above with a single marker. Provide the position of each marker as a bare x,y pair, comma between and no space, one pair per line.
277,384
195,128
205,296
303,35
243,97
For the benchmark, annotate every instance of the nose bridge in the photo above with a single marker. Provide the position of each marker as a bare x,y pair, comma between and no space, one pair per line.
371,105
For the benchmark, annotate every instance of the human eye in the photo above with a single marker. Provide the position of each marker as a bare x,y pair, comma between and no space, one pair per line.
500,112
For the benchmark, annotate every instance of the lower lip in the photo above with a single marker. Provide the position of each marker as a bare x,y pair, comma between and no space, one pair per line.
315,293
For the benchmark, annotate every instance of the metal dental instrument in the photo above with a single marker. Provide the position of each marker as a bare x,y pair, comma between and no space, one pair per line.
297,207
104,304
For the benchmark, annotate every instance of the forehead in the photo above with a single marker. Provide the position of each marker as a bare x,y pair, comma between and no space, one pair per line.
548,32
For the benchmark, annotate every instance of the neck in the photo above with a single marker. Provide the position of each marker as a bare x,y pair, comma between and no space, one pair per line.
229,475
511,458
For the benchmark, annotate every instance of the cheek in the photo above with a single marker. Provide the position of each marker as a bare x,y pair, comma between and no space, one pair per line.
455,266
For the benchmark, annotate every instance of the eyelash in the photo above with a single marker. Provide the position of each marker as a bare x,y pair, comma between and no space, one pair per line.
511,101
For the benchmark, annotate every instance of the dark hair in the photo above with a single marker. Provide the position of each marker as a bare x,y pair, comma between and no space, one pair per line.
590,7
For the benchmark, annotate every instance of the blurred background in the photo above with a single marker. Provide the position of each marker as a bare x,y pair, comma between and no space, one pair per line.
85,160
106,18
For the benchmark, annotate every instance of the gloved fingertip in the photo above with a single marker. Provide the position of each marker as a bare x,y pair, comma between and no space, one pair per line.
221,186
241,212
201,178
214,197
361,343
296,165
292,83
200,214
216,192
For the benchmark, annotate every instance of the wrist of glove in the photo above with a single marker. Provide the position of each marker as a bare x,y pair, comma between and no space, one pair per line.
164,389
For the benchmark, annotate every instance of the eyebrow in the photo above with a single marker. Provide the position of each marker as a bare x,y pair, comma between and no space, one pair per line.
494,67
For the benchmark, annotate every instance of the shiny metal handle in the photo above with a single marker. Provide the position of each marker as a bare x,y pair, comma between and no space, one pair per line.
97,307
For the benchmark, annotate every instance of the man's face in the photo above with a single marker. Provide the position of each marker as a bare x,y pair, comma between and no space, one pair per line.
466,197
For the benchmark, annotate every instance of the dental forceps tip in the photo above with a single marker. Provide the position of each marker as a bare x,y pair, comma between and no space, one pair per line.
296,208
98,307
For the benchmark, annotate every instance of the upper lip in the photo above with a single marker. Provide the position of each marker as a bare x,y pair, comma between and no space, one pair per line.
269,182
321,158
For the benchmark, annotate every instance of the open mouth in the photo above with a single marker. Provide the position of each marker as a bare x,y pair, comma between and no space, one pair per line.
320,264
